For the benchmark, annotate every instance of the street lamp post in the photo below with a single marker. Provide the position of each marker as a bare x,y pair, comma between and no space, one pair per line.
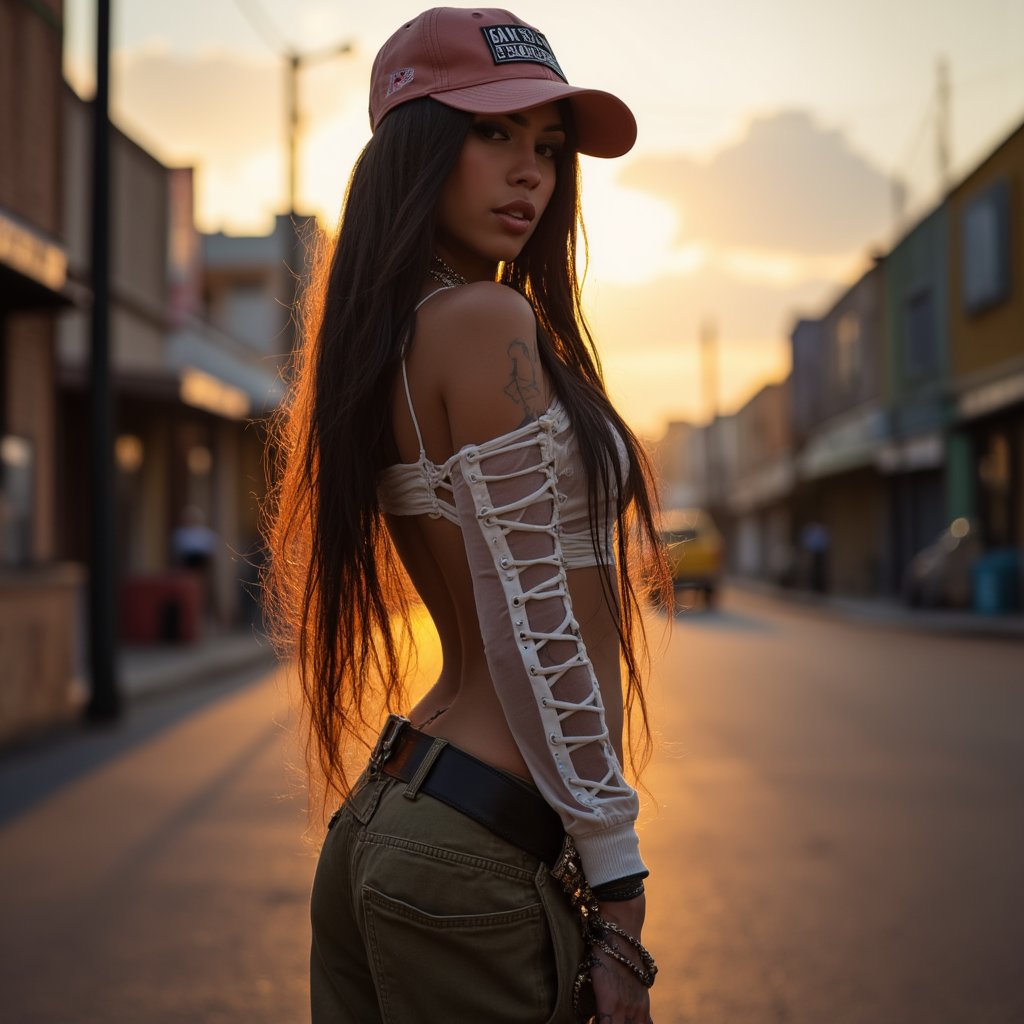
105,699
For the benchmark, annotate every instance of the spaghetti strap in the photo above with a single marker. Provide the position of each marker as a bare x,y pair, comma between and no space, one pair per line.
436,291
405,374
412,411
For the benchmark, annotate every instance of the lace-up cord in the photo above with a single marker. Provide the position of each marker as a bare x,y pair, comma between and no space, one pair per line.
502,523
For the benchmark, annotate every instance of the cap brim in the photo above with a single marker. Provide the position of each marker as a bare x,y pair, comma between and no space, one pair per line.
604,125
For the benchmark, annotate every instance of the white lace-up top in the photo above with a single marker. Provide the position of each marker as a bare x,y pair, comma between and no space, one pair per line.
520,500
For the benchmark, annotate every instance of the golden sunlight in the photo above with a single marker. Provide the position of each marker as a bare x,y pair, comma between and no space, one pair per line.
631,233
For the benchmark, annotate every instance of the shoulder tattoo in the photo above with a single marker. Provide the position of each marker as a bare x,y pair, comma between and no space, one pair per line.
523,386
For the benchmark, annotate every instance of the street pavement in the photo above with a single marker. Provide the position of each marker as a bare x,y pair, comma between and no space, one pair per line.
834,828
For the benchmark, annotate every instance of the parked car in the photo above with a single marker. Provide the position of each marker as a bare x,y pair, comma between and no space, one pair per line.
695,551
940,574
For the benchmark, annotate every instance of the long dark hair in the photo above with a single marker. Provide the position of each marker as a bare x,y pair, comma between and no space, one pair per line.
338,596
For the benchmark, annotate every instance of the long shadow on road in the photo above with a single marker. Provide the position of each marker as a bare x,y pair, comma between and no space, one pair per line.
32,772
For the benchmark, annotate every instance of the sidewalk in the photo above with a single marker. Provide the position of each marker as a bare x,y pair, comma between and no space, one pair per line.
145,671
890,613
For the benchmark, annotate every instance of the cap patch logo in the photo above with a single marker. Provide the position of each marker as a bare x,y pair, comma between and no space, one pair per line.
517,44
400,79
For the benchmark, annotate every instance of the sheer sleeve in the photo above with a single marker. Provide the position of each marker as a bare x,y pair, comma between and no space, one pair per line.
508,503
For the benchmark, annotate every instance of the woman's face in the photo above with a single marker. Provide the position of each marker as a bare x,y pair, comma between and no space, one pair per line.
499,189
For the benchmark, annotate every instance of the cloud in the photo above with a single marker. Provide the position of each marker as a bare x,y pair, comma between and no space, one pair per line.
216,105
788,185
668,311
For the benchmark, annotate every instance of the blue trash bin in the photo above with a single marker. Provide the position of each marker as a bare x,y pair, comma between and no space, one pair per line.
994,579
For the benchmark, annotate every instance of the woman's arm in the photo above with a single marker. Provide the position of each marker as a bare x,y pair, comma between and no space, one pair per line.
506,493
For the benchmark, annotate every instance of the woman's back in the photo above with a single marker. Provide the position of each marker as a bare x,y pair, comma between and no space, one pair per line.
473,374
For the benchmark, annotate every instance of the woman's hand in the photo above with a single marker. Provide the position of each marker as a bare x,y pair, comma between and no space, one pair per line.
618,994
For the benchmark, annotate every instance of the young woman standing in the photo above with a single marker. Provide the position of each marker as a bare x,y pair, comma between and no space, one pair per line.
449,425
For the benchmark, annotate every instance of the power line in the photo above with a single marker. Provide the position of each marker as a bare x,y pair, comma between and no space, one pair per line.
263,25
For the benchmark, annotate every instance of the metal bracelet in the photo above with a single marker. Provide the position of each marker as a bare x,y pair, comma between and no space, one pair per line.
618,894
568,872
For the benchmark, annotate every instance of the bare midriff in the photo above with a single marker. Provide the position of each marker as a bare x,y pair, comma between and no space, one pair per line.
462,705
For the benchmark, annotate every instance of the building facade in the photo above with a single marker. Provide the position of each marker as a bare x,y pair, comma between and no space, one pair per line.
759,499
841,424
917,325
39,591
986,291
190,398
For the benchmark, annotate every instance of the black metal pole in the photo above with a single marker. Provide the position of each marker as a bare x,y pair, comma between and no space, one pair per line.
105,700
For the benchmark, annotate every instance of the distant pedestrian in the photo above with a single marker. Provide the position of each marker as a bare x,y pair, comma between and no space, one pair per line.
193,543
194,548
816,540
449,424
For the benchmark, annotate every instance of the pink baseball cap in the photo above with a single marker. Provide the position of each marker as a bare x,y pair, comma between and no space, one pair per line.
488,61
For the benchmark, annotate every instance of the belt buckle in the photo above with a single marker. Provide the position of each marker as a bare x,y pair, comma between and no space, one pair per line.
386,741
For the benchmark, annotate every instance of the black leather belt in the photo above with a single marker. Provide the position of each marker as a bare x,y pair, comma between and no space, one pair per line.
508,808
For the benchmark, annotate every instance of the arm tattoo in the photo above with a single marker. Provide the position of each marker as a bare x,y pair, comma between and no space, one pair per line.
523,387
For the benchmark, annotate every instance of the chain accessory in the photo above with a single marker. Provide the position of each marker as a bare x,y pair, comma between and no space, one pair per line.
569,874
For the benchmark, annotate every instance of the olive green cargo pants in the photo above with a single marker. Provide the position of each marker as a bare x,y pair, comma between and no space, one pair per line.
422,916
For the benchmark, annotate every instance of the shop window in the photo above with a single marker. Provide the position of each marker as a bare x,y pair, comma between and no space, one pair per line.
985,253
128,453
849,354
920,356
199,460
995,477
17,478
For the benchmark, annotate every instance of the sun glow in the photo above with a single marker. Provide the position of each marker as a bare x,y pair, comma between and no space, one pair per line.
631,234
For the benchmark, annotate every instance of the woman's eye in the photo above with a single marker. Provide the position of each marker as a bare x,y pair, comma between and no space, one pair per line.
549,150
489,130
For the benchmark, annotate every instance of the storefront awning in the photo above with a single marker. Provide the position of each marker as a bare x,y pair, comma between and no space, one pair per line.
850,442
33,268
219,376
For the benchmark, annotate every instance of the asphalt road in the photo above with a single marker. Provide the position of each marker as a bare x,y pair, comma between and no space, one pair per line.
835,829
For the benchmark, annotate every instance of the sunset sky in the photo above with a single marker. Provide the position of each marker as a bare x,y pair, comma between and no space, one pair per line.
770,135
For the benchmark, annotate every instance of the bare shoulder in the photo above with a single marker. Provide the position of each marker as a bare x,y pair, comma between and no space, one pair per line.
475,311
484,339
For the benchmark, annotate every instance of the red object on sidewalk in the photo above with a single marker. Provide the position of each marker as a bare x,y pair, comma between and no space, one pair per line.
161,609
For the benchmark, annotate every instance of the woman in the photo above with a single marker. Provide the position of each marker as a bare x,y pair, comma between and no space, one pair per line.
449,425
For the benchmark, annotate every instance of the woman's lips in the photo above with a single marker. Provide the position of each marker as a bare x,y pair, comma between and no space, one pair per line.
516,216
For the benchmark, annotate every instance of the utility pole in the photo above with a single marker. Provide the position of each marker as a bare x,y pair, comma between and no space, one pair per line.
898,196
294,62
105,698
709,376
942,133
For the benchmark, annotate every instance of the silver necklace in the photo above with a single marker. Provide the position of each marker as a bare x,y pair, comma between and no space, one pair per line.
440,271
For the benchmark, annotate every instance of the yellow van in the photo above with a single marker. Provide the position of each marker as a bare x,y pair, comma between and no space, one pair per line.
695,551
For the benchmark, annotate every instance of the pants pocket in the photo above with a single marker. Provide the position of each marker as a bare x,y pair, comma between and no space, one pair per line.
567,945
461,968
